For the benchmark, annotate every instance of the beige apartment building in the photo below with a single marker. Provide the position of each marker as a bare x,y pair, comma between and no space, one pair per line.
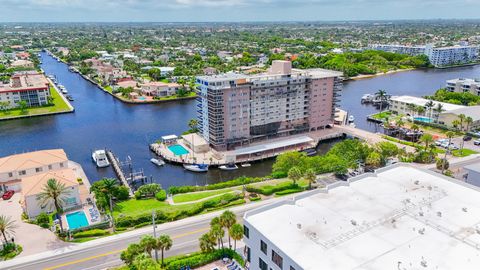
237,109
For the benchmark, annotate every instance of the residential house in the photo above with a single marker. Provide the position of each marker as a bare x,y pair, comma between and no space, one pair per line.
159,89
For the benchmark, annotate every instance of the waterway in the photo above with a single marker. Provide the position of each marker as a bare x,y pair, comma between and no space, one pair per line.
414,83
100,121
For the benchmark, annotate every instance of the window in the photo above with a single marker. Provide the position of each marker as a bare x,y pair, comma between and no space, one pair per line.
263,247
38,169
292,268
61,165
22,172
49,167
277,259
10,174
262,264
246,231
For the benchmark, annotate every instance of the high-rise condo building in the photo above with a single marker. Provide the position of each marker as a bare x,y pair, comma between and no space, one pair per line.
236,109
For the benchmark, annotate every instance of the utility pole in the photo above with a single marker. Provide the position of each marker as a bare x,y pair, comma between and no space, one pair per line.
154,233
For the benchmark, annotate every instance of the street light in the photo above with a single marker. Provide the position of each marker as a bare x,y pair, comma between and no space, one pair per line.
154,233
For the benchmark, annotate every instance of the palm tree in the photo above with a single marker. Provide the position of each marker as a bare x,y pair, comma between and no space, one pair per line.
218,233
468,122
450,135
294,174
420,110
207,242
7,227
439,109
227,219
456,124
427,139
109,187
311,177
192,124
148,243
56,193
164,242
382,96
236,231
461,118
429,105
411,107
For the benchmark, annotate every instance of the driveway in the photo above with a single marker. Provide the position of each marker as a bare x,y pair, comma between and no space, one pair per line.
32,238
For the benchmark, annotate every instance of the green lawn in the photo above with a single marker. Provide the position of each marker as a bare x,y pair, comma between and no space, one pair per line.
463,153
189,197
382,115
59,106
189,94
134,207
108,88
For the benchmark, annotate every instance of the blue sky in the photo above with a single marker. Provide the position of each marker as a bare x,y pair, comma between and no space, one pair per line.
233,10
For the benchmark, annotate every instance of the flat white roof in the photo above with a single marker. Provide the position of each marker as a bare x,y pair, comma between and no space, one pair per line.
387,221
169,137
422,101
273,145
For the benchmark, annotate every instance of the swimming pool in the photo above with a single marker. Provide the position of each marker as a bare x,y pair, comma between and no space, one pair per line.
142,98
178,150
77,220
423,119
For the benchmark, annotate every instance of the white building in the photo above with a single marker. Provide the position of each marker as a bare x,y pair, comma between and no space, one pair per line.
453,55
399,105
400,217
403,49
473,174
462,85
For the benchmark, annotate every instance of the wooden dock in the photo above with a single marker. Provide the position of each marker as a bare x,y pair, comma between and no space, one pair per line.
118,171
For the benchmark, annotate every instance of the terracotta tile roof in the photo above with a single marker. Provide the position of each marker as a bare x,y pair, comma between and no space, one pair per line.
34,184
32,160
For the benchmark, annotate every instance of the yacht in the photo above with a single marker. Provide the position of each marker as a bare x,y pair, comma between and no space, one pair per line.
196,167
245,165
228,167
69,97
100,158
157,162
367,98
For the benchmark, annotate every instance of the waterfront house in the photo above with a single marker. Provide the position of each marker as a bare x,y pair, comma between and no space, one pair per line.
22,64
448,117
400,105
463,85
159,89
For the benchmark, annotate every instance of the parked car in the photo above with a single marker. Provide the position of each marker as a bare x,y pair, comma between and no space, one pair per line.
476,142
467,138
8,194
440,142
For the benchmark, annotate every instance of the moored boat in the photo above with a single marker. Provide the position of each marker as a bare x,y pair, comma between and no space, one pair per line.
196,167
228,167
100,158
157,162
351,118
244,165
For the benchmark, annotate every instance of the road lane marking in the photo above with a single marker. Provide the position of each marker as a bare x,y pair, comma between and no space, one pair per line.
119,250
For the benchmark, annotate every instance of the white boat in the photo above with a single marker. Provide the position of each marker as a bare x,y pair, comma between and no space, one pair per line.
351,118
64,91
100,158
244,165
157,162
228,167
196,167
368,98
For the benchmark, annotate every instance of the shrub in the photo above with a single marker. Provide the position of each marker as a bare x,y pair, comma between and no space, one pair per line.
442,163
232,183
199,259
147,191
43,220
269,189
90,233
161,195
121,193
288,191
9,251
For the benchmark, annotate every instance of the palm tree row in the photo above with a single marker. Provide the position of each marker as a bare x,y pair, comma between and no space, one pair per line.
146,245
295,174
218,225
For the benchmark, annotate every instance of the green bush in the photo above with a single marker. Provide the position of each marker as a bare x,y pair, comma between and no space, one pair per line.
90,233
198,259
161,195
9,251
269,189
147,191
289,191
43,220
122,193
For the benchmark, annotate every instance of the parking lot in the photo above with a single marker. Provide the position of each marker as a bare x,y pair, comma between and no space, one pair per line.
31,237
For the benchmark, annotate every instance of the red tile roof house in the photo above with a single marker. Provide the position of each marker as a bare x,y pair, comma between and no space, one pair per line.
23,55
159,89
30,87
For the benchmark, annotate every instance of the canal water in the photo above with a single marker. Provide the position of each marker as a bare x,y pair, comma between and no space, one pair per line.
100,121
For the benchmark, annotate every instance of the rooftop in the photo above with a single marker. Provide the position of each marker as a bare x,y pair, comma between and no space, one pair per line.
472,111
273,145
34,184
422,101
400,217
25,81
32,160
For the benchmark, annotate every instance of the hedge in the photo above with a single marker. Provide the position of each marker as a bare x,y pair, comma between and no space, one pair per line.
102,225
289,191
198,259
269,190
90,233
227,199
232,183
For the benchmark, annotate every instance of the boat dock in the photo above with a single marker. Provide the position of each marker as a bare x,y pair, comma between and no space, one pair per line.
118,171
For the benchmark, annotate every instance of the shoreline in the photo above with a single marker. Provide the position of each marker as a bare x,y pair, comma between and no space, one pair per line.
369,76
115,96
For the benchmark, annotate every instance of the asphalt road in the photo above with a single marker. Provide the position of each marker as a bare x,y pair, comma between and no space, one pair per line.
106,253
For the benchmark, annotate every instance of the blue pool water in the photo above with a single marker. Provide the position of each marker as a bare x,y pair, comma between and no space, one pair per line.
142,98
77,220
178,150
423,119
